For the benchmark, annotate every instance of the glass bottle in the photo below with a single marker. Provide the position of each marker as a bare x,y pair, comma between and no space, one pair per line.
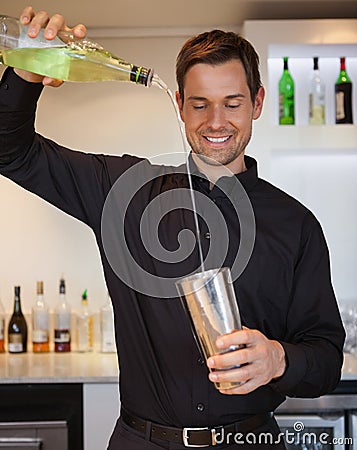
17,330
316,97
84,326
343,95
286,97
62,319
107,334
40,323
65,57
2,328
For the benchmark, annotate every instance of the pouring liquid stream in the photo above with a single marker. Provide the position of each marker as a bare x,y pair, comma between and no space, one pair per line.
158,82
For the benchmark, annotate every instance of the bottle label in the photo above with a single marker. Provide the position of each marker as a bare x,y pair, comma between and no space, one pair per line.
2,329
108,342
62,336
26,42
340,105
281,105
15,343
39,336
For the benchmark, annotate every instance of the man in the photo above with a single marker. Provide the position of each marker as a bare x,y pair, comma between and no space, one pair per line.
292,337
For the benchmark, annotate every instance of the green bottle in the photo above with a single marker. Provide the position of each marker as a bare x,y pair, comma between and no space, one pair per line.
65,57
343,95
286,97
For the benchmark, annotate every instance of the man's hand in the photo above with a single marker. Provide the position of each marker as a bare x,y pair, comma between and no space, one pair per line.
261,359
52,26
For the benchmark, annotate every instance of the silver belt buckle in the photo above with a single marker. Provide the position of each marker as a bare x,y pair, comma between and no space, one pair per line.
186,437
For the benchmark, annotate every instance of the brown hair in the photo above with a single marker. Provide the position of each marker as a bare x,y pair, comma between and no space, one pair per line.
217,47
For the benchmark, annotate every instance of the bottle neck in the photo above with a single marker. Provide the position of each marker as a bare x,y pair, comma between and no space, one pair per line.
286,67
17,301
343,76
17,305
141,75
40,300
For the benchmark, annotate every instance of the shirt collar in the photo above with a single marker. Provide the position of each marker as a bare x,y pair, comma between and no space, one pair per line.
248,178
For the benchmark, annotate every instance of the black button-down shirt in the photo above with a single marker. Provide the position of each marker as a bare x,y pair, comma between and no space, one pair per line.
284,290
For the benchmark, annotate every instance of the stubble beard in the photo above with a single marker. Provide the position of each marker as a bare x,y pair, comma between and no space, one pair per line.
220,157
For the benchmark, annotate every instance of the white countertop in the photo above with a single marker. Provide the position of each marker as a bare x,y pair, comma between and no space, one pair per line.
91,367
70,367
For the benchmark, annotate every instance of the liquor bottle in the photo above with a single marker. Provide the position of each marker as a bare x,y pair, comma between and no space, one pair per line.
64,57
316,97
62,321
343,95
107,335
84,326
286,97
40,323
2,328
17,330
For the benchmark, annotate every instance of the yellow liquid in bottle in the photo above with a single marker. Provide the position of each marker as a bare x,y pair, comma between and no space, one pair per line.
70,64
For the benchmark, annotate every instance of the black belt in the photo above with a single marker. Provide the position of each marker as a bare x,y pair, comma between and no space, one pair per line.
193,437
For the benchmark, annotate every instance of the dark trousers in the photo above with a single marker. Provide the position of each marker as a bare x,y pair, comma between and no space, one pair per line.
263,438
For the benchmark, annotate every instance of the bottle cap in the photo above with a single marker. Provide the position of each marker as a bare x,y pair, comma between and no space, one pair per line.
40,288
62,287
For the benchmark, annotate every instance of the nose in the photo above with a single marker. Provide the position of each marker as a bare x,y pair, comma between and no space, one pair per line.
216,118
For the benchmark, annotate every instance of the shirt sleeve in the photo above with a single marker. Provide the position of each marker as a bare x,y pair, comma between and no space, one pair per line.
18,101
75,182
314,340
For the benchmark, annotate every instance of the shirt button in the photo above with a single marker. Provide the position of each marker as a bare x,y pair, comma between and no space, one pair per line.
5,86
200,361
207,235
200,407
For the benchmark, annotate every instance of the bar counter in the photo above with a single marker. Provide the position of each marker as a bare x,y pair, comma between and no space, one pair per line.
93,367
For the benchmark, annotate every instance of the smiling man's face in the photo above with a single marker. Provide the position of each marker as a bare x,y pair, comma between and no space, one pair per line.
218,112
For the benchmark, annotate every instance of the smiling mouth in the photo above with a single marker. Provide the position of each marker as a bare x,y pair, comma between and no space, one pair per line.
217,140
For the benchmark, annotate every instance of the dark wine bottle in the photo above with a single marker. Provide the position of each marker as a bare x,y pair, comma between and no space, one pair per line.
343,95
17,331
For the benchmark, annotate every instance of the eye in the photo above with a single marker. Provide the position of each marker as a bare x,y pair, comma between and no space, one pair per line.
233,105
198,107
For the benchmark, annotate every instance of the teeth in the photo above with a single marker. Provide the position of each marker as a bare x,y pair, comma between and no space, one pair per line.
217,140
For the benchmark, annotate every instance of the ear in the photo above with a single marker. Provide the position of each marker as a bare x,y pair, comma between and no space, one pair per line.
179,102
258,103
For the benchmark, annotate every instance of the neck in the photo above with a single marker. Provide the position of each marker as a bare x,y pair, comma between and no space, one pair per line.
215,172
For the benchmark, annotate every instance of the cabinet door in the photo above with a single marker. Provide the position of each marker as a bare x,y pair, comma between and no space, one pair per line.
40,435
101,407
20,444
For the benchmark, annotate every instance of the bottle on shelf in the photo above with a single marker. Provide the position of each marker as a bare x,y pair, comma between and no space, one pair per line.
40,323
62,321
107,334
64,57
286,96
316,96
17,330
2,328
84,326
343,95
